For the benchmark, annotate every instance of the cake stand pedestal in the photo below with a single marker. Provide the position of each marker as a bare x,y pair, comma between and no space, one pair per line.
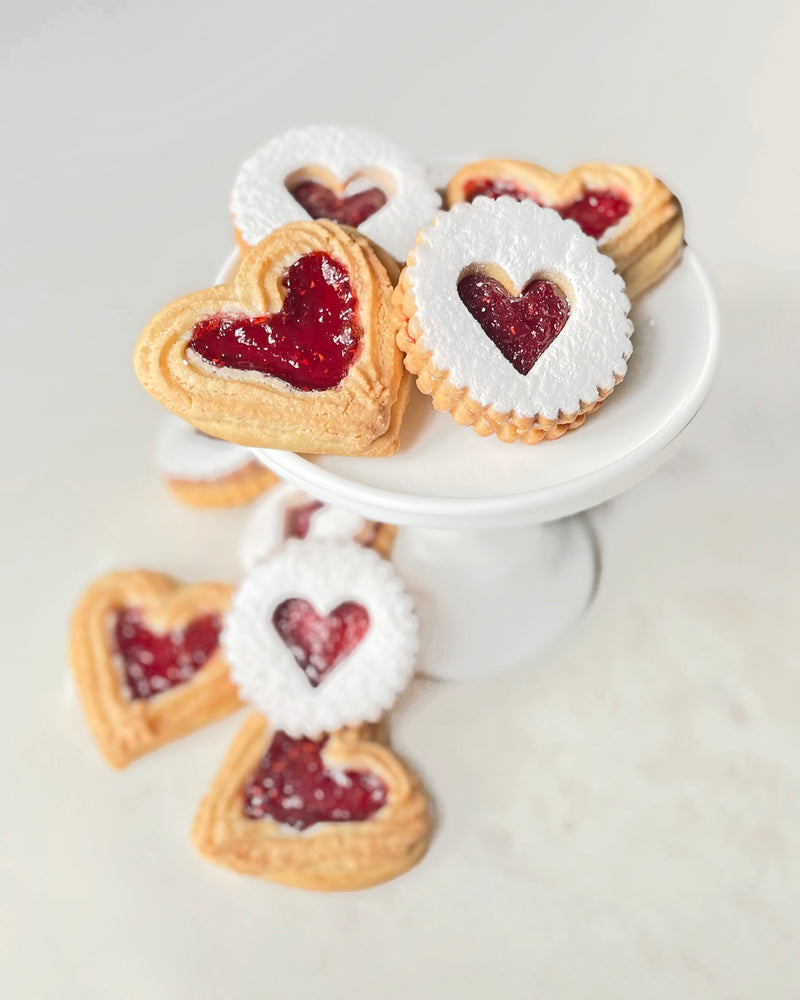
490,547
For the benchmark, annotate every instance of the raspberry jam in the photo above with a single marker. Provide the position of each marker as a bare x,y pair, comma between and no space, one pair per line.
521,327
310,344
153,662
298,519
292,786
320,642
349,210
595,211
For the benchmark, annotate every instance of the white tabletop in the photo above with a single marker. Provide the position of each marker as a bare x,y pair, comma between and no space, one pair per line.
621,821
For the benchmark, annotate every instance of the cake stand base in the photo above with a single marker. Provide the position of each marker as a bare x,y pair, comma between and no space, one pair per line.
527,585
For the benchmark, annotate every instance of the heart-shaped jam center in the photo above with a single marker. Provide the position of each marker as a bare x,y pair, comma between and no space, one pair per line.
153,662
348,210
298,519
293,786
522,327
310,344
595,211
320,642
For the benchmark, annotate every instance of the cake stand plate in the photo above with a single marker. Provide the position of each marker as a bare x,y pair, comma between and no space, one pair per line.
486,548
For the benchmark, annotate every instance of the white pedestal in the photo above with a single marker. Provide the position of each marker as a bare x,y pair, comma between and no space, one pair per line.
498,574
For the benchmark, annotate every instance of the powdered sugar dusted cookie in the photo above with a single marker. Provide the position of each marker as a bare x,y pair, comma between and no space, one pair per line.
321,635
338,812
512,319
633,215
348,175
203,471
289,513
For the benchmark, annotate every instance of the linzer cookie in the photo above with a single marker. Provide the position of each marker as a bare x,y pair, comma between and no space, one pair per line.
321,635
146,658
202,471
634,216
288,513
512,320
347,175
298,352
337,812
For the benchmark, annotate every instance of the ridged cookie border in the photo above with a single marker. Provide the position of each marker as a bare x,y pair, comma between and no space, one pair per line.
328,857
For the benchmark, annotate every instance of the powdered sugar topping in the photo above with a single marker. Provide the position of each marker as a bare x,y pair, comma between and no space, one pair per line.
261,202
523,240
326,574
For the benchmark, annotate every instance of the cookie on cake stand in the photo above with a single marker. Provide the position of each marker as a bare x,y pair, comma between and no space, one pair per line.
490,548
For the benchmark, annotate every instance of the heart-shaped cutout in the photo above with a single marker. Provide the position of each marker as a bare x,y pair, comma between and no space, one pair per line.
310,344
336,813
293,786
320,642
154,662
321,202
522,326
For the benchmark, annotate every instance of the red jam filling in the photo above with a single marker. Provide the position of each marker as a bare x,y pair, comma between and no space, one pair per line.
320,642
298,519
521,327
595,211
349,210
310,344
293,786
153,662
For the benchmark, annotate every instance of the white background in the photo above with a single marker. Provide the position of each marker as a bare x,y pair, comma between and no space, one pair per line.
622,821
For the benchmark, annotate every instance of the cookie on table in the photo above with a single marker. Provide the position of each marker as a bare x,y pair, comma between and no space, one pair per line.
337,812
202,471
321,635
512,320
298,352
633,215
146,657
348,175
287,512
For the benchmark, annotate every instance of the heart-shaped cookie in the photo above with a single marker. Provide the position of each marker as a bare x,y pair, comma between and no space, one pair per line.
512,319
147,661
348,175
202,471
297,352
634,216
321,635
286,513
336,813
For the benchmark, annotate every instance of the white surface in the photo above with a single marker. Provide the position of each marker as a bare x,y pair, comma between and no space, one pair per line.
622,822
447,476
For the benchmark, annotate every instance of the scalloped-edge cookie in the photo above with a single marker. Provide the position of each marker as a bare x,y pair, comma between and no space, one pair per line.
297,352
205,472
512,320
321,635
633,215
338,813
147,660
287,512
348,175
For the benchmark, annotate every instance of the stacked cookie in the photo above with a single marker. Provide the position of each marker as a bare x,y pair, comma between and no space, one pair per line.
511,310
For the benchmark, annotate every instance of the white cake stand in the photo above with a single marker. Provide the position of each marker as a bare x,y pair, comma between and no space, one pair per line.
499,567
